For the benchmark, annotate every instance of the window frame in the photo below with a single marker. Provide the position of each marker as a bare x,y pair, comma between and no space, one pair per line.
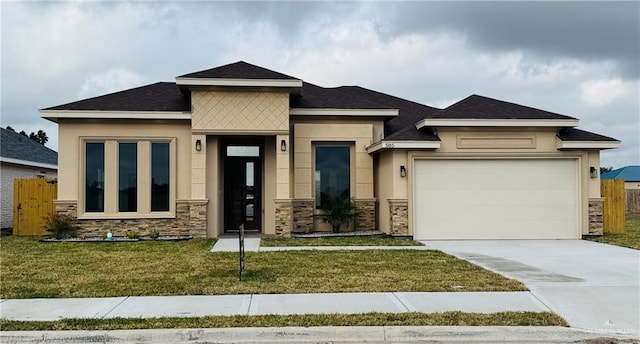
111,176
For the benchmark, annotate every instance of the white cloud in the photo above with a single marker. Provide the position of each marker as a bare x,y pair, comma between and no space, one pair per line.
603,92
53,53
113,80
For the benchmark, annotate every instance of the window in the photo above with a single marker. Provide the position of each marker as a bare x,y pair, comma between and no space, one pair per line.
127,177
332,173
94,177
160,176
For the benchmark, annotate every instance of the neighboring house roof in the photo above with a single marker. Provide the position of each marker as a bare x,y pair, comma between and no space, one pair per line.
480,107
238,70
627,173
19,149
161,96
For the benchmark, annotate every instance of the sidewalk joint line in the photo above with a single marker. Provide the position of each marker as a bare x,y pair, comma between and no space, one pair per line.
114,307
399,301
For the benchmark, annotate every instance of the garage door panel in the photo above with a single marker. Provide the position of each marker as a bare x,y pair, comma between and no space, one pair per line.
496,199
500,213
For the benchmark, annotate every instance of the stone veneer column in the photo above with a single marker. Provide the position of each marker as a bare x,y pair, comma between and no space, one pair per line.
283,217
302,215
399,216
366,208
283,206
596,209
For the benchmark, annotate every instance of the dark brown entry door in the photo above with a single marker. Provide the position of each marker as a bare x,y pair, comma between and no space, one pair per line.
242,185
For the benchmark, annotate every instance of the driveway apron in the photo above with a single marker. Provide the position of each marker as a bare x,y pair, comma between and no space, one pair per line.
593,286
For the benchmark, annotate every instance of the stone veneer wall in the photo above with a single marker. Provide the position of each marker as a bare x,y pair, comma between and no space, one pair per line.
596,224
366,214
190,219
283,217
302,215
399,216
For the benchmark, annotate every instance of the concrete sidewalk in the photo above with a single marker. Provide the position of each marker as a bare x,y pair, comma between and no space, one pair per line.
259,304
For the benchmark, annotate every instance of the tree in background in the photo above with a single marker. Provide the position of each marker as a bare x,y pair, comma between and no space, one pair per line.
40,137
605,169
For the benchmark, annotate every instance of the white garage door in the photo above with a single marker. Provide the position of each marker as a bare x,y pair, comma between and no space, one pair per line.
496,199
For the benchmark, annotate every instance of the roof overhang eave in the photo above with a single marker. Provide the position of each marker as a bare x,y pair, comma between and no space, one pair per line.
54,115
29,163
560,144
392,144
456,122
287,83
343,112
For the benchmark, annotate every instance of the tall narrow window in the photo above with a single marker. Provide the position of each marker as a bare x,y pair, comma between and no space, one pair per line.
127,176
332,173
160,176
94,177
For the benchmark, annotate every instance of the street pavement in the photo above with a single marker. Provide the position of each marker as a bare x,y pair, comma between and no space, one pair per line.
353,334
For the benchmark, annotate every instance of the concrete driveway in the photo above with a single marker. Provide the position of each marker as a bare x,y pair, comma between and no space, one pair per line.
593,286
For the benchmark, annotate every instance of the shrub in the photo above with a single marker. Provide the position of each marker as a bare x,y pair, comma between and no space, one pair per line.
133,234
338,211
154,234
60,226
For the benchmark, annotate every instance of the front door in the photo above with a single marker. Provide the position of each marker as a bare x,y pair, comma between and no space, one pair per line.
243,188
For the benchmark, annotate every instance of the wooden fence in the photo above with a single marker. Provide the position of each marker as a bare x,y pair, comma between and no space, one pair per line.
32,203
633,201
614,208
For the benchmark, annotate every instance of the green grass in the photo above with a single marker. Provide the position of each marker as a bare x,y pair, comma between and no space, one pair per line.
366,319
377,240
630,239
31,269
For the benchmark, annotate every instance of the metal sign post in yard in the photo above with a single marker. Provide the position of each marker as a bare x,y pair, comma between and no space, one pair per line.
241,251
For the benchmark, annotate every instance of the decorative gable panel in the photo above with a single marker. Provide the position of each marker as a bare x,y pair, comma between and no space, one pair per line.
215,111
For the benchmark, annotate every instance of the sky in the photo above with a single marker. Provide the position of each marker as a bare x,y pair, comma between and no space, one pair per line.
580,59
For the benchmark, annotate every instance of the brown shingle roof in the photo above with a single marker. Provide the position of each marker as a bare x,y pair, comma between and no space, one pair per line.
410,133
409,112
479,107
161,96
573,134
312,96
238,70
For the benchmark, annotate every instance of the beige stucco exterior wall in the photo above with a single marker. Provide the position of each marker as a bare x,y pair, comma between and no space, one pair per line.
240,112
269,186
213,191
632,185
70,165
384,189
359,135
593,183
390,184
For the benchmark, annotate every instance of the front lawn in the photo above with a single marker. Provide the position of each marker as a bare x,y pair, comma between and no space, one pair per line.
630,239
366,319
30,269
377,240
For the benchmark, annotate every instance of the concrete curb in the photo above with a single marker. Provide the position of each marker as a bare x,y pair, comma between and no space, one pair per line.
358,334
